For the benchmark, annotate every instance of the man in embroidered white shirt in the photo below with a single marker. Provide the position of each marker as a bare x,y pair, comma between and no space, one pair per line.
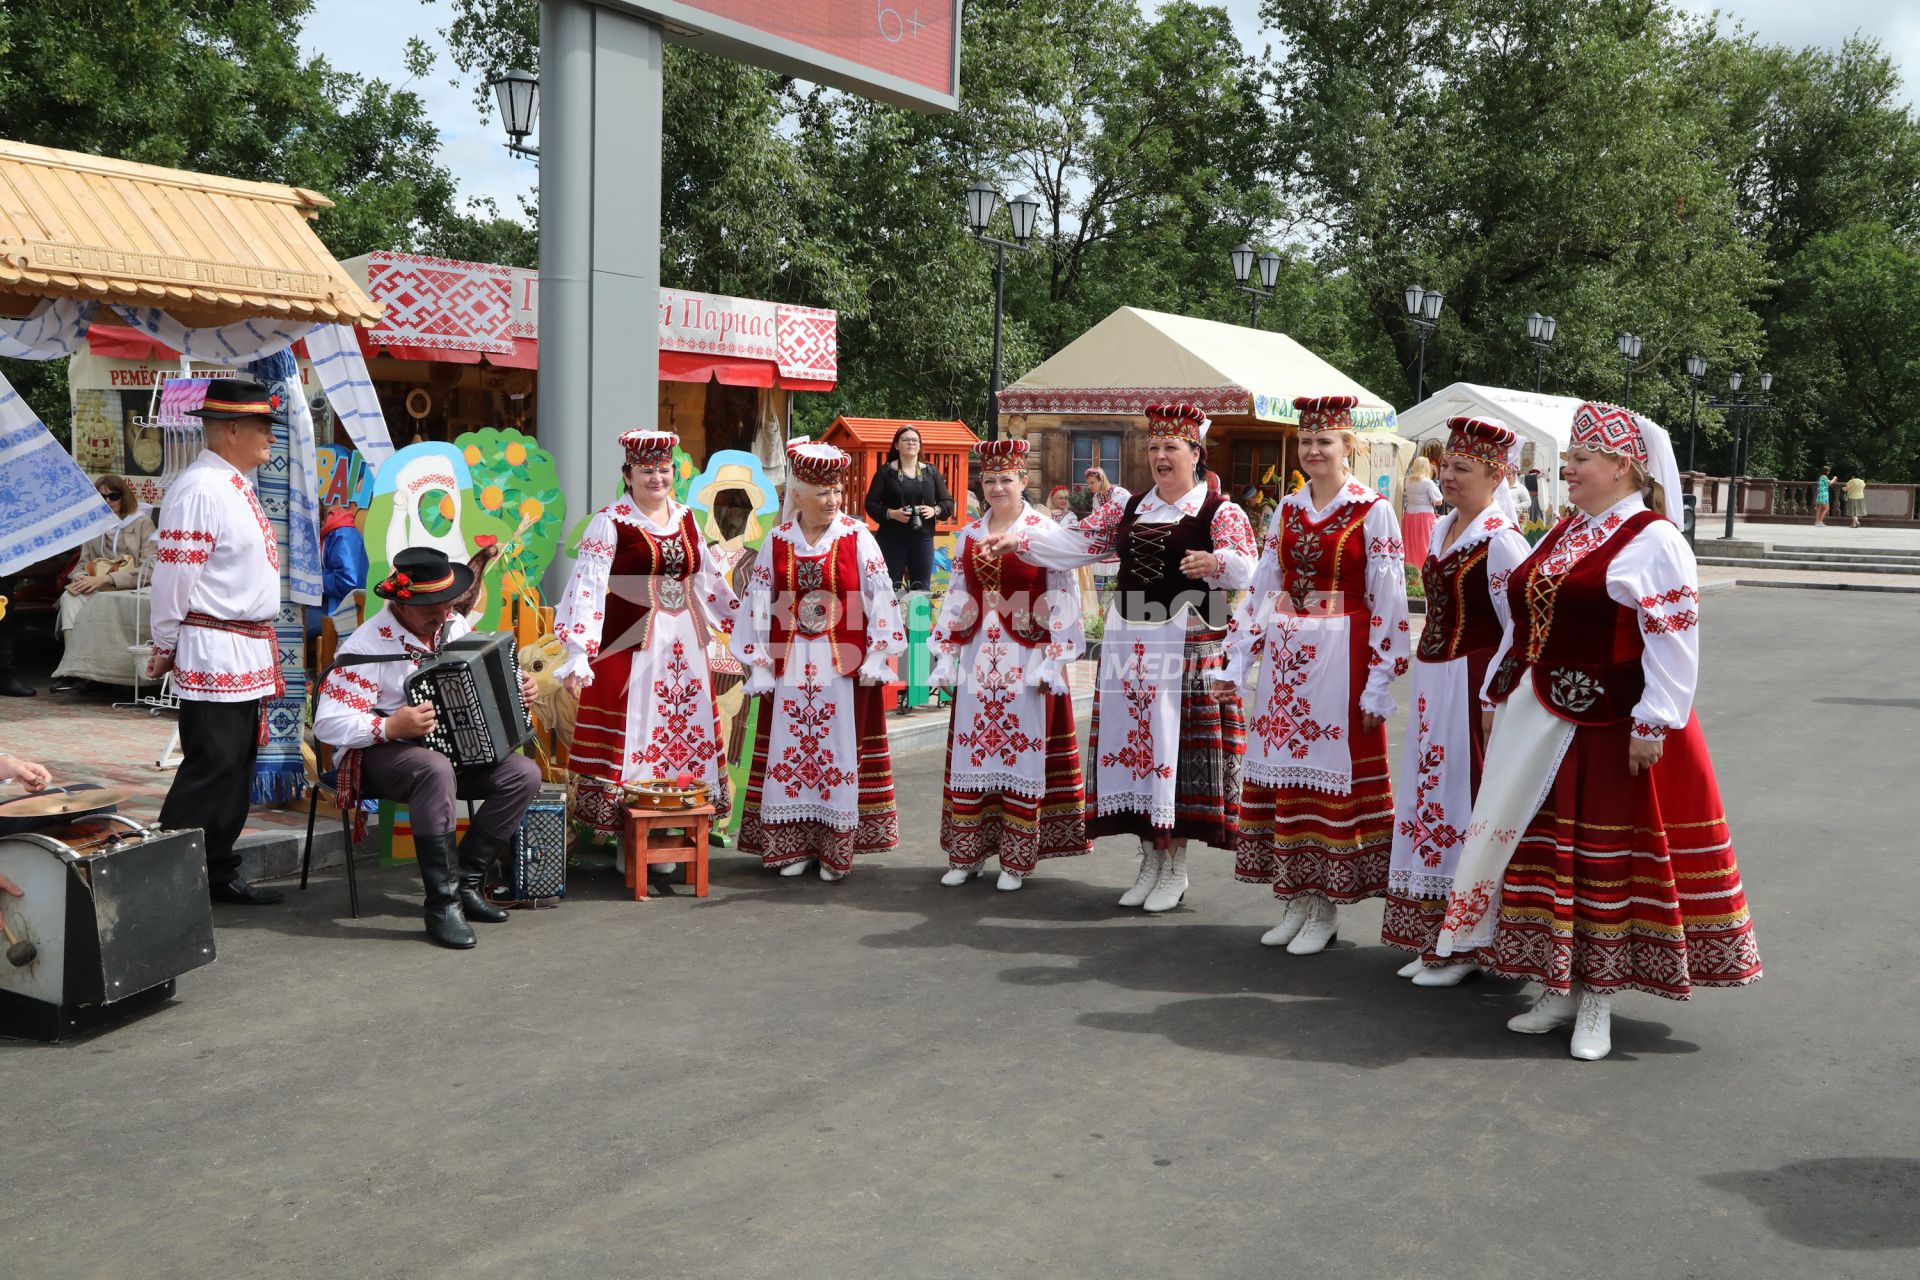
215,593
363,709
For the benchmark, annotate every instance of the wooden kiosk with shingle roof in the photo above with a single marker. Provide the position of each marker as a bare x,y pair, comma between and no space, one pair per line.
209,251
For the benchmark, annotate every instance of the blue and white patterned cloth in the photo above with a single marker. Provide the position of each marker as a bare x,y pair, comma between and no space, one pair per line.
48,504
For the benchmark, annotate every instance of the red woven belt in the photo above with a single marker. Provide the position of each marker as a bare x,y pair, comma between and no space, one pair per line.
252,631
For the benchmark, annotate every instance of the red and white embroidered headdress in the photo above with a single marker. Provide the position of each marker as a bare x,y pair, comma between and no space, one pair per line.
814,462
1180,421
648,447
1607,428
1325,413
1487,440
999,457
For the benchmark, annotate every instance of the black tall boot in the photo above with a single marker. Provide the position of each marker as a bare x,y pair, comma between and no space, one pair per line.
477,852
440,873
11,685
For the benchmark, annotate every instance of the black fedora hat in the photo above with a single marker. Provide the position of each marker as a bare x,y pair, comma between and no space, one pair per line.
422,575
229,398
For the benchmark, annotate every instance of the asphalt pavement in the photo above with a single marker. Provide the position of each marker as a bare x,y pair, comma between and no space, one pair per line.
885,1077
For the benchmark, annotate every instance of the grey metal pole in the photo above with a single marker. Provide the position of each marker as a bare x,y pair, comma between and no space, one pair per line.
1420,378
1693,425
1256,311
1733,474
599,246
993,379
566,225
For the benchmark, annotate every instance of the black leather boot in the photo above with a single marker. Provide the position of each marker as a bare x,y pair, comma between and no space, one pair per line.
440,873
477,853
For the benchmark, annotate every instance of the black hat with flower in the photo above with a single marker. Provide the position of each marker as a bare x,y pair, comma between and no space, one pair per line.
422,575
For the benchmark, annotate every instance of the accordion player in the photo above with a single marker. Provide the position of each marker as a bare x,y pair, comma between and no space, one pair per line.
473,685
427,714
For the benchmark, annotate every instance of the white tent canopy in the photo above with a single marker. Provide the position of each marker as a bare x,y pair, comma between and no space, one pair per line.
1133,358
1545,422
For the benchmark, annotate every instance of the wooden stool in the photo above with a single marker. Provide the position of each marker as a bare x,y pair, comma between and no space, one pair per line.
645,843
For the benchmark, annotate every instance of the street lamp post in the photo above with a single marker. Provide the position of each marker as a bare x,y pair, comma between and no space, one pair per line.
1628,345
1423,313
982,203
1540,334
518,93
1737,410
1696,370
1243,259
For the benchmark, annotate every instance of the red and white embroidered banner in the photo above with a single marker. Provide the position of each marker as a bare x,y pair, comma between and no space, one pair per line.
441,303
801,341
475,306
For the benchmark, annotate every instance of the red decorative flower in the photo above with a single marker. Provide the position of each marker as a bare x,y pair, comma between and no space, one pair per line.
484,540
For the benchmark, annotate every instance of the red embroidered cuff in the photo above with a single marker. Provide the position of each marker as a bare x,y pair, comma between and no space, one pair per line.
379,729
1649,732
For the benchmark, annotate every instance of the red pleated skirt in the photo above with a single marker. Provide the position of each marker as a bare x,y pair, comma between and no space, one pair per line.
1023,830
1625,883
877,828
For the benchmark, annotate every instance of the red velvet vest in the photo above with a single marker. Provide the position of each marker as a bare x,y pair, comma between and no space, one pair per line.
1150,587
1460,617
1582,646
1008,585
650,572
818,596
1323,567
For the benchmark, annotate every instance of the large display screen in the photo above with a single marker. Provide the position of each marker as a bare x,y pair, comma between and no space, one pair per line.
902,51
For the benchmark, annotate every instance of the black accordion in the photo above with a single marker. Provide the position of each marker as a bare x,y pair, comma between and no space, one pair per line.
473,685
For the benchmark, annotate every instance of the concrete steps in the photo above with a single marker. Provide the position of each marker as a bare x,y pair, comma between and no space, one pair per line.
1807,564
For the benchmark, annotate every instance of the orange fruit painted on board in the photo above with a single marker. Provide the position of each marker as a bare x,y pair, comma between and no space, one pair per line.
532,509
491,497
516,454
446,505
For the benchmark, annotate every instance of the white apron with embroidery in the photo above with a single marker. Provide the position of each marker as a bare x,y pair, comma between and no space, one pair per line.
1436,778
1297,721
1142,669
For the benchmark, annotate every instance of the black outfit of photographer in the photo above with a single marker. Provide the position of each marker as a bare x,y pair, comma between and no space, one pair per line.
908,545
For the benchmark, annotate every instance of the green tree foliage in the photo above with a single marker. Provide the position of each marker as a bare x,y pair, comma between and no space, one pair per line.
1619,164
220,86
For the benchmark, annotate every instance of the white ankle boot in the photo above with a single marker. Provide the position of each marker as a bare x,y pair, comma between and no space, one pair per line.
1593,1026
665,868
796,868
1290,921
1321,927
828,874
1446,975
1551,1010
1008,882
1150,863
959,876
1406,970
1172,885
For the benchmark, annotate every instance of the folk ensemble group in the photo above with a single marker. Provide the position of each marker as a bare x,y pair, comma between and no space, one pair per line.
1553,814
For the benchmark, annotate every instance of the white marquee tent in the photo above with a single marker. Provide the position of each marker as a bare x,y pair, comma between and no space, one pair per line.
1543,422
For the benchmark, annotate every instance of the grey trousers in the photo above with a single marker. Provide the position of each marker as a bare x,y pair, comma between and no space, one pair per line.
428,784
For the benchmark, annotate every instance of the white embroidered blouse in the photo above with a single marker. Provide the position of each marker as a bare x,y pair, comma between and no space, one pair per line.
355,700
1097,536
582,609
1066,630
886,629
217,556
1654,575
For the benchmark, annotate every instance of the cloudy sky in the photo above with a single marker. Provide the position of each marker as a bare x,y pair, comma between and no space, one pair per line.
369,37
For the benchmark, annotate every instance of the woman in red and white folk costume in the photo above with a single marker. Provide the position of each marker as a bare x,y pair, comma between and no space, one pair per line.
1473,551
1167,737
1598,858
1007,634
646,597
1327,617
820,624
